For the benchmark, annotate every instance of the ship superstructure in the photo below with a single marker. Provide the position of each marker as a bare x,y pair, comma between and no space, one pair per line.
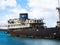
25,22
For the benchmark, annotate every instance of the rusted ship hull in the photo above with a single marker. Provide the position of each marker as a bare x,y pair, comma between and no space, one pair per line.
41,33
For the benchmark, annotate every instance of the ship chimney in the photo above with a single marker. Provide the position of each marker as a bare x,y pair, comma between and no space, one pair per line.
24,16
58,8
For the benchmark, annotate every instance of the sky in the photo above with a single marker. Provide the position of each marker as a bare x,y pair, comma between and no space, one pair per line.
36,9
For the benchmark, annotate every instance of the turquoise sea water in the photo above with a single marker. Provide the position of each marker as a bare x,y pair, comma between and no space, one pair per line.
7,39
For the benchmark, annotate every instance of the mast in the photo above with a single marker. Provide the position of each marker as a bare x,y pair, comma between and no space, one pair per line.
58,8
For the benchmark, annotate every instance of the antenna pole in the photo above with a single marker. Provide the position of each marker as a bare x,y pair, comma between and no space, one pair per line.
58,3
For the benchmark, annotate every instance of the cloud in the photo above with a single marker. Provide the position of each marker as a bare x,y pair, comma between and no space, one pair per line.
42,3
36,8
42,6
11,12
4,3
44,9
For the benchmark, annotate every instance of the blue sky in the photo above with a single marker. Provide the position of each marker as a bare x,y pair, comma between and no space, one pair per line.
45,9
